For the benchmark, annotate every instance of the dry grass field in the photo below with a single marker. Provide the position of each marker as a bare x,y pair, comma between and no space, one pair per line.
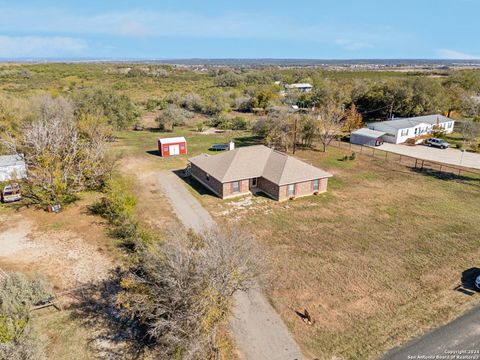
375,260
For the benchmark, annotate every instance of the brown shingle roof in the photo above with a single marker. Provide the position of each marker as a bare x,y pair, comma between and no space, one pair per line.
257,161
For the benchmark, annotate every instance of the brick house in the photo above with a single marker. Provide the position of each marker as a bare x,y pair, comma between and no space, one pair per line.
255,169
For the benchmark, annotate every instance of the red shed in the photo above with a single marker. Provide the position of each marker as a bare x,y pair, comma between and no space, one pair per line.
172,146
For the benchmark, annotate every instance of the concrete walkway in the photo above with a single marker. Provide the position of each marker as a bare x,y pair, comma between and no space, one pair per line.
458,339
445,156
258,331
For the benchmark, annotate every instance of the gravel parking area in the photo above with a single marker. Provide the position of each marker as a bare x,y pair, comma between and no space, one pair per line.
445,156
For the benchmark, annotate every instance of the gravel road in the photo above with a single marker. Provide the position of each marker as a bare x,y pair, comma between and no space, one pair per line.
258,331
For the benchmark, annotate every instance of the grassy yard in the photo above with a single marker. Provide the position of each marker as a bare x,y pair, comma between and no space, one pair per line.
375,260
141,146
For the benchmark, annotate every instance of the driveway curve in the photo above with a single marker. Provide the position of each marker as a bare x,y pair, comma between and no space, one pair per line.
459,339
258,331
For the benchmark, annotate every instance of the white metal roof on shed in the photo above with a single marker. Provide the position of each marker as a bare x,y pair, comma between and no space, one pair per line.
374,134
11,160
172,140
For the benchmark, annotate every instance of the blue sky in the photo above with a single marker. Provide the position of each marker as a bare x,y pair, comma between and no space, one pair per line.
335,29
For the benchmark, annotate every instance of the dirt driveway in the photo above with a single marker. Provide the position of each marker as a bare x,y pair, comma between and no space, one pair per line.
446,156
258,331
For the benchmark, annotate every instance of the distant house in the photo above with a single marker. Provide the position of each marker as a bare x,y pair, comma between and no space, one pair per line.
305,87
12,167
258,168
398,131
172,146
367,137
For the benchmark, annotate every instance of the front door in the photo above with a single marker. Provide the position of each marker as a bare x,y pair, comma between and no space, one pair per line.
174,149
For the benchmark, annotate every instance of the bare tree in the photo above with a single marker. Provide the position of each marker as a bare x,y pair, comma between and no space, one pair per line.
329,124
182,290
470,133
64,155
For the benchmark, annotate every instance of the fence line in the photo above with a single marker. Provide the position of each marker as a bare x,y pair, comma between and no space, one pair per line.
407,160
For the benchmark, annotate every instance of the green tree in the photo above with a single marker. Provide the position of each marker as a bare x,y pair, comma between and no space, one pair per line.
118,109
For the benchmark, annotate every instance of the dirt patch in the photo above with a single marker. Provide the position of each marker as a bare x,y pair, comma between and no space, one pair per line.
59,246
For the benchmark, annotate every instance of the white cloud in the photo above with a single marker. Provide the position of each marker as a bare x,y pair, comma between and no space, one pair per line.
140,23
40,46
456,55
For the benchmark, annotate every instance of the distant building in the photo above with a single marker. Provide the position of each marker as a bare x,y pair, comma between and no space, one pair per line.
12,167
306,87
398,131
367,137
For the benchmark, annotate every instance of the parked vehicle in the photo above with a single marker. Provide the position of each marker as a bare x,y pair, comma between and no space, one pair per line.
477,282
219,147
11,193
442,144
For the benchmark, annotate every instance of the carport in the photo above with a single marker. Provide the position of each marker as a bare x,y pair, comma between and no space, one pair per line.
367,137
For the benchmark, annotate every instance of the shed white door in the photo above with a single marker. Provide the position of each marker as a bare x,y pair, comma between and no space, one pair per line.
174,149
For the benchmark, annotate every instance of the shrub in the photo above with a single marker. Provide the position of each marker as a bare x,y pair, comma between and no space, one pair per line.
238,123
154,104
17,295
180,291
118,109
229,79
119,202
215,103
192,102
118,207
171,117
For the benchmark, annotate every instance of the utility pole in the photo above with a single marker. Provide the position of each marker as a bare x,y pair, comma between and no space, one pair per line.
294,134
391,111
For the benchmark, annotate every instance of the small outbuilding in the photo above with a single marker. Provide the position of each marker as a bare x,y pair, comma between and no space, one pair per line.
367,137
172,146
12,167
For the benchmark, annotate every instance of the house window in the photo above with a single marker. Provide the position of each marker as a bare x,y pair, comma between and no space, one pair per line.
416,130
165,148
207,176
316,185
236,186
450,125
291,190
182,146
405,132
254,182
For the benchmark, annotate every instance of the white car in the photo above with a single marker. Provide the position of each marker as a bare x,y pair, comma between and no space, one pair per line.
477,282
